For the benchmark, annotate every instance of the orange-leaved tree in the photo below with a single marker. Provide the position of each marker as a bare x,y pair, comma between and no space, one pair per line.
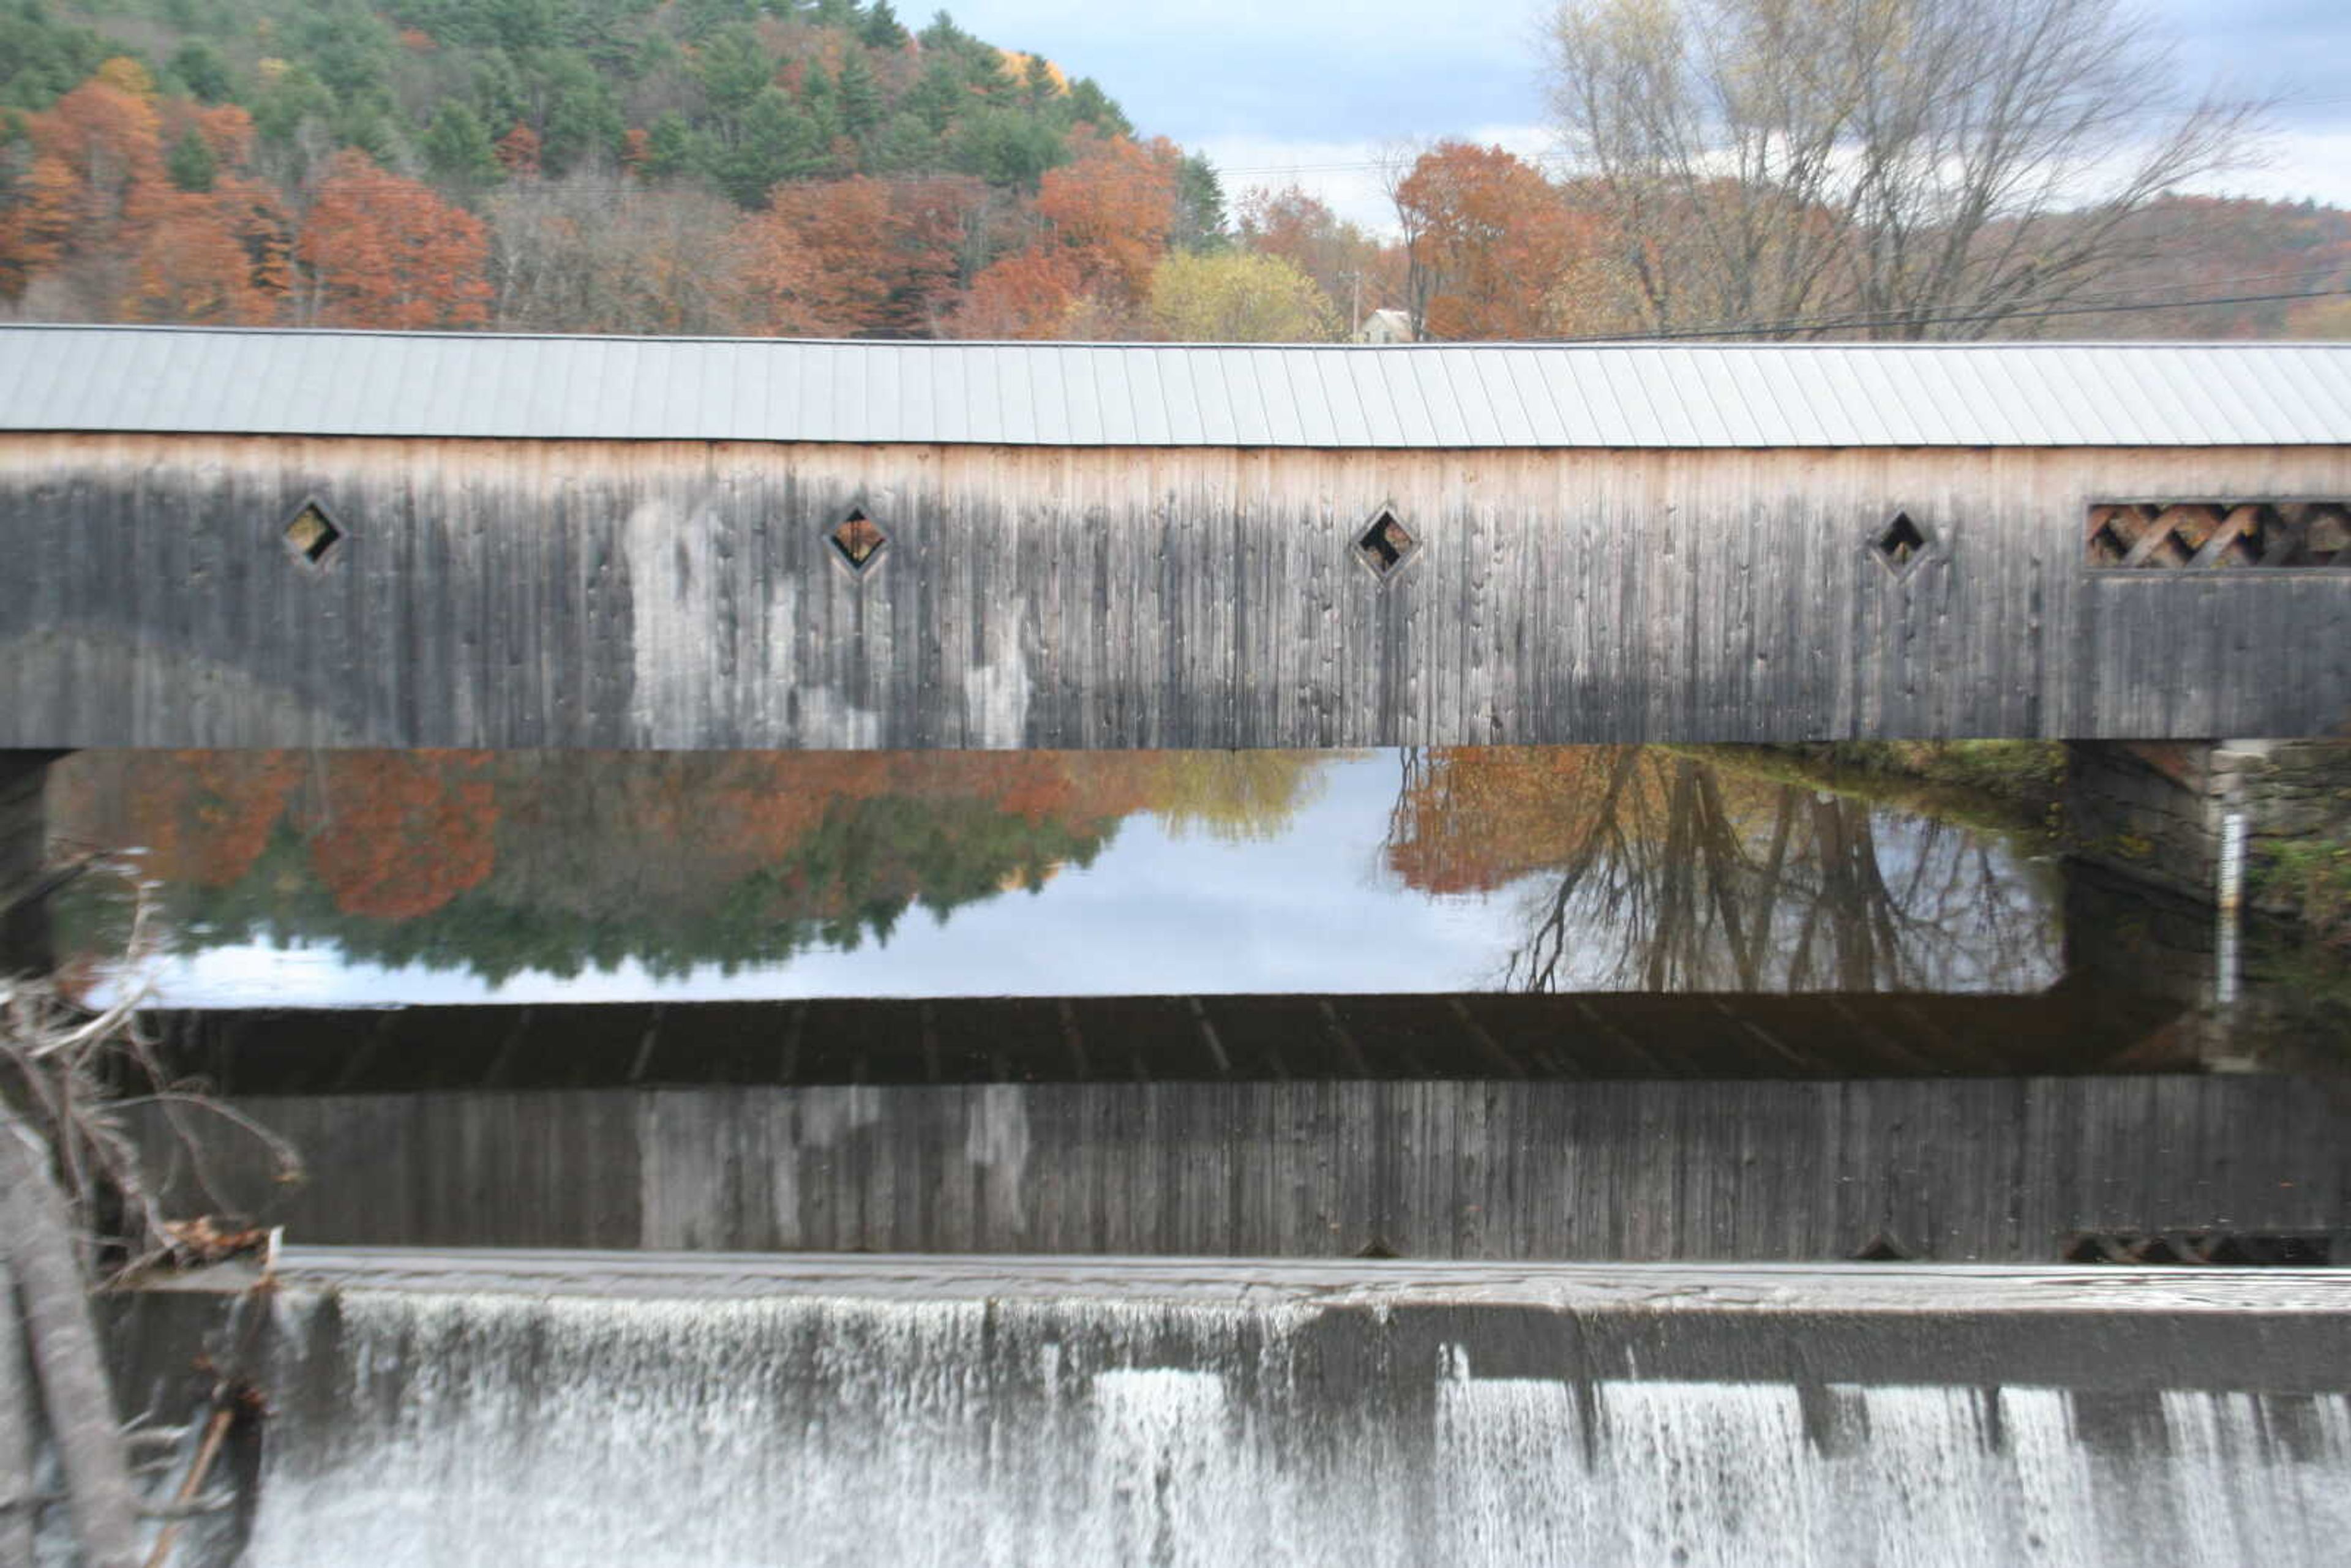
410,831
220,251
382,250
1491,244
216,256
852,257
225,129
1104,221
1355,271
1030,294
1113,205
517,152
109,137
37,198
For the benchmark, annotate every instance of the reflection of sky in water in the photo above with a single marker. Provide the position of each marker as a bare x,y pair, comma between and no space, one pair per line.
1312,909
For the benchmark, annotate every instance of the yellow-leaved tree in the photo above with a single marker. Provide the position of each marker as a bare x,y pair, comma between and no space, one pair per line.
1238,297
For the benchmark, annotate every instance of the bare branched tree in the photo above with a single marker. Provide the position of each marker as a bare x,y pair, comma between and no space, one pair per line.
592,252
1897,169
1677,876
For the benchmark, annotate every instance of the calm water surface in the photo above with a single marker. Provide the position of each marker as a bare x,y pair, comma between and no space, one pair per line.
377,878
1380,1012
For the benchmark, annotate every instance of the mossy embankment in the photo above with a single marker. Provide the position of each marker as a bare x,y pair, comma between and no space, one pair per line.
2020,785
2312,879
2011,786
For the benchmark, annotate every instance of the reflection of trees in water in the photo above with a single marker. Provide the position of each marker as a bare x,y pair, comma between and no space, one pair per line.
1650,870
1235,797
561,862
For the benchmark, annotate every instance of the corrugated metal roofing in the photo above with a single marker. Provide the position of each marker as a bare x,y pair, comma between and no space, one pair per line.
206,380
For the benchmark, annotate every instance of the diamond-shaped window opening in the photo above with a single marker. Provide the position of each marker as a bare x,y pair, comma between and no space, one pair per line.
312,535
860,540
1385,545
1901,544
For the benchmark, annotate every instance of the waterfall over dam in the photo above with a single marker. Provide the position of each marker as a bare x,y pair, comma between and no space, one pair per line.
969,1425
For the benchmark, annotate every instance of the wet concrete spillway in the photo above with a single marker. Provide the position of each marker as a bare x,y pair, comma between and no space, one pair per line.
549,1409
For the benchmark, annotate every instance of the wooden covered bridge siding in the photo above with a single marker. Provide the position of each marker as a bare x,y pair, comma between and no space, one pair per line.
579,542
1999,1169
499,593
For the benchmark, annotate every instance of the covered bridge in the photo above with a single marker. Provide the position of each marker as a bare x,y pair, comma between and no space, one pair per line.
265,538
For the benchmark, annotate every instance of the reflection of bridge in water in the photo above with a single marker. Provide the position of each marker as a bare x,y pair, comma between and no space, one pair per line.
1597,1127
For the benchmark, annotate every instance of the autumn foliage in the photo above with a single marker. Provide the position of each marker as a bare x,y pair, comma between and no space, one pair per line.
1492,246
120,201
826,170
1476,818
396,836
855,257
406,831
222,257
382,250
1101,227
109,139
36,225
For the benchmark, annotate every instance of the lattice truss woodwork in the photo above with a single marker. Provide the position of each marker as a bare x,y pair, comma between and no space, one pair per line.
2194,535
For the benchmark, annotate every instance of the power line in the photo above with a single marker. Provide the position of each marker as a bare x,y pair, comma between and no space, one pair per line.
2314,273
1893,319
2290,100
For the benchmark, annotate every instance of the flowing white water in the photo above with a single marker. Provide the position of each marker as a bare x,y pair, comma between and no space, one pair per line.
508,1430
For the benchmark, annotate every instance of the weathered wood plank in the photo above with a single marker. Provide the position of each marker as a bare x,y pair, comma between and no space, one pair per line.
1986,1169
684,595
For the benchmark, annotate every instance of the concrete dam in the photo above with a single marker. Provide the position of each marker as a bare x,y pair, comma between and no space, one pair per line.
531,1408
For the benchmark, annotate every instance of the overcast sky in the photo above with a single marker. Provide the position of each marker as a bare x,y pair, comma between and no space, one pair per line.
1309,90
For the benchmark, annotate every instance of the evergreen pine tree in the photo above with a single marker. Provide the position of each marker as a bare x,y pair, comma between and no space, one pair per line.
582,116
672,148
937,96
204,70
457,146
1037,81
1200,206
904,145
776,141
733,68
821,101
1089,105
882,29
191,163
859,95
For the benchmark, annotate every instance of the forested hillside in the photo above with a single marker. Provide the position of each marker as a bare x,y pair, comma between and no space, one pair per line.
708,165
823,168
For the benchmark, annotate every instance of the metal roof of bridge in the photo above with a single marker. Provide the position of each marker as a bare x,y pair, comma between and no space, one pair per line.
218,381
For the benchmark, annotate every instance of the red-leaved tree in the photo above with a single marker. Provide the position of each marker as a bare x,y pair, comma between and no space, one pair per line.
382,250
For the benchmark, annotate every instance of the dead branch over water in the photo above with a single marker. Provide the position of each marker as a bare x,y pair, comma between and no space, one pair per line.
79,1212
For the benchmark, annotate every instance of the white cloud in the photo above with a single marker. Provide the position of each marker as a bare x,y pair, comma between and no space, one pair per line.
2313,163
1345,174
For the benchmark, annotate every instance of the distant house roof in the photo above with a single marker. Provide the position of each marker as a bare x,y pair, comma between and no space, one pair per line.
222,382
